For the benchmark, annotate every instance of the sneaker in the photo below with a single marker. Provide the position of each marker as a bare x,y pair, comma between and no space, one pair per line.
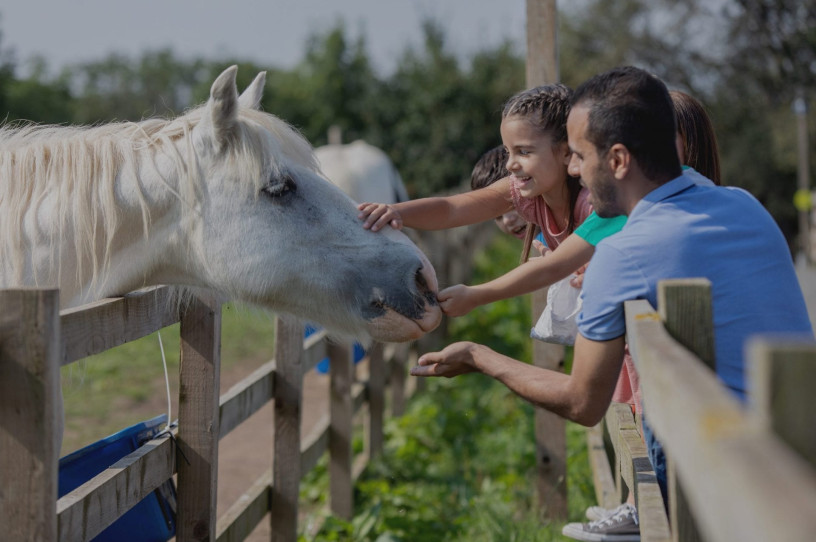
621,526
594,513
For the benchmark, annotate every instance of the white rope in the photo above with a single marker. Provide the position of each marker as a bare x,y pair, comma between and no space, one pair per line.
167,384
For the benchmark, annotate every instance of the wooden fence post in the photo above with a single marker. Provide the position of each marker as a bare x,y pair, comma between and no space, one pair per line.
288,412
781,380
29,392
550,429
684,306
199,389
398,379
376,399
341,483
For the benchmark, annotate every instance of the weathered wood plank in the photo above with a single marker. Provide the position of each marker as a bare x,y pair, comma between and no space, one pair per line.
29,396
716,447
237,523
376,399
618,417
686,312
89,509
685,308
359,396
314,350
314,444
637,472
288,413
782,373
96,327
247,397
550,429
199,381
245,514
605,491
341,407
398,378
654,525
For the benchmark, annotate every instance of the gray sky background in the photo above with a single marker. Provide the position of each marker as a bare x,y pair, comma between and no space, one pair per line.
272,33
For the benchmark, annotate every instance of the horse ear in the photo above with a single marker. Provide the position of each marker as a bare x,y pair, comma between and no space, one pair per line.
251,97
221,113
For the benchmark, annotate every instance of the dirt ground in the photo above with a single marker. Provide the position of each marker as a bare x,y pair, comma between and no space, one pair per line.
246,452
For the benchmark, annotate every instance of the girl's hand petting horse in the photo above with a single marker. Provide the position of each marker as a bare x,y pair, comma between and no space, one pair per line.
457,300
377,215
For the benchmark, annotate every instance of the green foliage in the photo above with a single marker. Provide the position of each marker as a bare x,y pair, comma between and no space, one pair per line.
434,115
504,325
122,88
460,463
450,116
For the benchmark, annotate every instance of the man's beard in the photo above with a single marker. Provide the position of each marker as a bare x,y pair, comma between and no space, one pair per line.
605,195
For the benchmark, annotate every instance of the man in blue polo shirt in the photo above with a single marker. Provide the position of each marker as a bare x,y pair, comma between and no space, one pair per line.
621,131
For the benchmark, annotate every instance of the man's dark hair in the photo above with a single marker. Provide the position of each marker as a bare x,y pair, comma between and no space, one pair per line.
490,168
630,106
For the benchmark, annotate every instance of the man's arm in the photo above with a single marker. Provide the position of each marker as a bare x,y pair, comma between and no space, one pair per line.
582,396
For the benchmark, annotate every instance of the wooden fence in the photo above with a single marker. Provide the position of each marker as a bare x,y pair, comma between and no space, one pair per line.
36,339
736,472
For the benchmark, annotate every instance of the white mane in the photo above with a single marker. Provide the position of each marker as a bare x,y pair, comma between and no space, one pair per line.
82,164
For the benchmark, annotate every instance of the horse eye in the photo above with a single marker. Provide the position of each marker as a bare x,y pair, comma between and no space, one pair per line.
279,186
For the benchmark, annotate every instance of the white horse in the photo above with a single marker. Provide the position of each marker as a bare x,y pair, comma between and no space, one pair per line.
224,197
362,171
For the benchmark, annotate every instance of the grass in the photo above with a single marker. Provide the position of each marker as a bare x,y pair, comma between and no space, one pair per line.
125,385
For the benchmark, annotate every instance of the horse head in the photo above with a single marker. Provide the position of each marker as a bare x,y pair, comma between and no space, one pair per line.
270,230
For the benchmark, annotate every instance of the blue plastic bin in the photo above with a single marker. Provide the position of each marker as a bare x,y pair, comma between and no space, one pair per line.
153,518
323,365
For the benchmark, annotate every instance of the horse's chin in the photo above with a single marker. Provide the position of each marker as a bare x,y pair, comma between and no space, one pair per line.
394,327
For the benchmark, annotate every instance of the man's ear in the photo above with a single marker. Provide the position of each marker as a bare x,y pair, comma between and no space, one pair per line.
620,160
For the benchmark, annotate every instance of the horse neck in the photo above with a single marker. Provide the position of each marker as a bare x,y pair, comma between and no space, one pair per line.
151,244
115,236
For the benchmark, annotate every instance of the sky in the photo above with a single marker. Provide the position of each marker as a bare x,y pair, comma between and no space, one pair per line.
271,33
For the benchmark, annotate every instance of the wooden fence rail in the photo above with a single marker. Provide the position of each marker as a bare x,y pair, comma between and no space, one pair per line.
35,340
737,472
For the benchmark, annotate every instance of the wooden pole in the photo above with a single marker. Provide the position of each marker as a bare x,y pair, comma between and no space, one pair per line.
550,429
686,312
288,412
782,373
803,172
29,391
199,389
542,42
341,482
376,399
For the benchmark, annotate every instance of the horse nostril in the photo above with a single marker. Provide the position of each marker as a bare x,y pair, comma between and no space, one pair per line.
423,289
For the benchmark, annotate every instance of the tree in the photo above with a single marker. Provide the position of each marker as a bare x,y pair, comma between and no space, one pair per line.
121,88
436,119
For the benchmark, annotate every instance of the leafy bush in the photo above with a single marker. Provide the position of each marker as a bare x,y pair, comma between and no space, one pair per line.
460,463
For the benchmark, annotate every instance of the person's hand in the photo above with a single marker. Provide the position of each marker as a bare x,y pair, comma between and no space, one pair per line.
457,300
577,280
541,247
377,215
454,360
